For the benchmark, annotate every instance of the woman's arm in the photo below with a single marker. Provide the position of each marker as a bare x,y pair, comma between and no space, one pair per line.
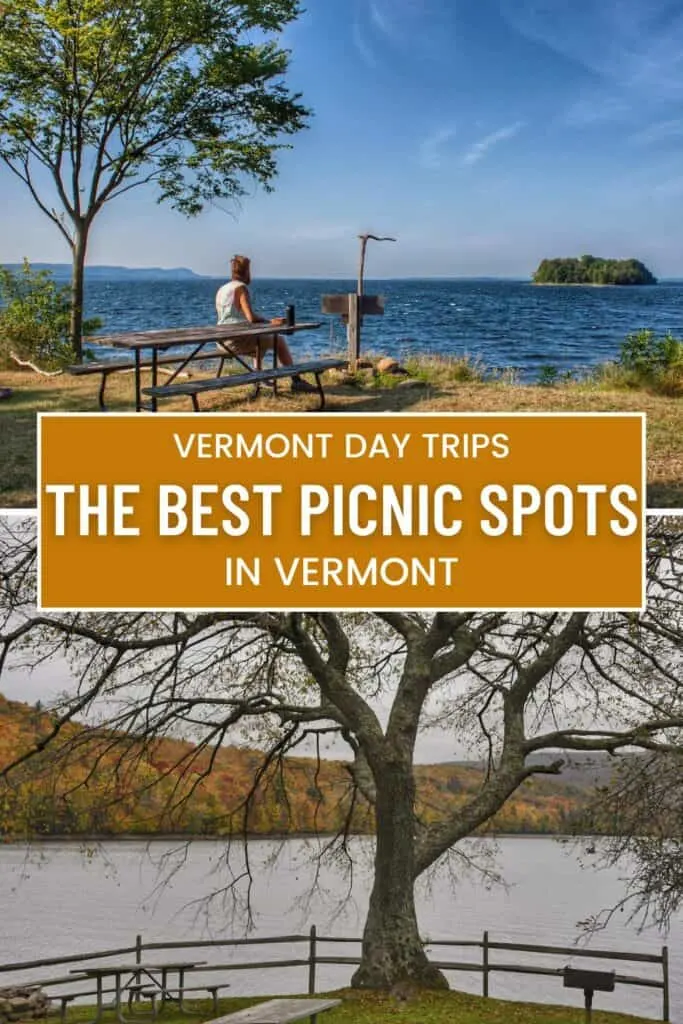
244,303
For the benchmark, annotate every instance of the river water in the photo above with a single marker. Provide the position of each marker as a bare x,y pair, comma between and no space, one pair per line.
58,899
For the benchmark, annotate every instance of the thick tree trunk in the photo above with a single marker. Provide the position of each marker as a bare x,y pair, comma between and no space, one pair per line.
392,949
77,288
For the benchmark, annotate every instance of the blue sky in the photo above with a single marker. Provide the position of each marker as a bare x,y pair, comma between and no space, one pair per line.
483,135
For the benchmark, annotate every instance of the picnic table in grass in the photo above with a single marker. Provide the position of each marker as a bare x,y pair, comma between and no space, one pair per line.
151,350
131,978
279,1011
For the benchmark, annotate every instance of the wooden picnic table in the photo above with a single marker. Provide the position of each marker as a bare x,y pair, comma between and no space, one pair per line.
193,340
279,1011
156,975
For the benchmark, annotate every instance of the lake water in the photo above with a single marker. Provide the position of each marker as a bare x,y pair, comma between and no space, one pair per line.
56,901
501,323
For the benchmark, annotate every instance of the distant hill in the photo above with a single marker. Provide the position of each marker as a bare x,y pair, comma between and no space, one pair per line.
129,789
582,771
592,270
98,273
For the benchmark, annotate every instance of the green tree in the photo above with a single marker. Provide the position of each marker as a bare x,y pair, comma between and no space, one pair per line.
98,97
35,318
592,270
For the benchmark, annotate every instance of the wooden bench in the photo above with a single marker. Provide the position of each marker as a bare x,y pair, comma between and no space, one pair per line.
192,389
108,366
213,990
278,1011
68,997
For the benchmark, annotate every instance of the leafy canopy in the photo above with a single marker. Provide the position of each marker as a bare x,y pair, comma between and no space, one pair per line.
592,270
98,96
35,318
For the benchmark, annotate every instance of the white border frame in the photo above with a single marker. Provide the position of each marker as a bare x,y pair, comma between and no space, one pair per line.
193,417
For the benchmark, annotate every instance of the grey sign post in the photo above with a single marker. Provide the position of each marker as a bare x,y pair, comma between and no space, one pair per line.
352,307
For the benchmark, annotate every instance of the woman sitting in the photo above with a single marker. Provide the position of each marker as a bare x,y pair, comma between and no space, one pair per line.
233,306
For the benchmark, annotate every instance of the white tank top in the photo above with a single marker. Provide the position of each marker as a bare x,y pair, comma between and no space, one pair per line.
227,310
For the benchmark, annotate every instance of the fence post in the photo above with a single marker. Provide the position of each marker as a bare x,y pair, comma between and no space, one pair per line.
138,960
311,960
665,981
485,965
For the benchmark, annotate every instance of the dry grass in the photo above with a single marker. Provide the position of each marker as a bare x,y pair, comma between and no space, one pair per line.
437,386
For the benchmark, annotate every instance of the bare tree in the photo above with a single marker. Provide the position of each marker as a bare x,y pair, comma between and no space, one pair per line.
512,684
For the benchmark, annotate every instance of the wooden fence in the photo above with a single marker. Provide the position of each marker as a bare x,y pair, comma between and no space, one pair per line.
312,958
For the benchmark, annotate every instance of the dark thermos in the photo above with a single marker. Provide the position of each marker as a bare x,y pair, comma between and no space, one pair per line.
289,314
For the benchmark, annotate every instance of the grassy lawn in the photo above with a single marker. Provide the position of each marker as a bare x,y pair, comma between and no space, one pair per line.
433,388
422,1008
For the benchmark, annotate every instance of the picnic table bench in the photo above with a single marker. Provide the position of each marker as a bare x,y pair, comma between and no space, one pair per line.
212,988
279,1011
64,998
106,367
192,389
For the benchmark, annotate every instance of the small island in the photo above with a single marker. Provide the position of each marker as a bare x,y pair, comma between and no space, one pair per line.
592,270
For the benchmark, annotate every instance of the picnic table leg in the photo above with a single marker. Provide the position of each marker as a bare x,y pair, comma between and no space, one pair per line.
275,341
186,361
100,1001
117,998
155,365
103,384
138,381
321,392
181,984
100,1006
259,366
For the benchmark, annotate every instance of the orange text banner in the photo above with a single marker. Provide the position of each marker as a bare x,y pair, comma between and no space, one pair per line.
338,511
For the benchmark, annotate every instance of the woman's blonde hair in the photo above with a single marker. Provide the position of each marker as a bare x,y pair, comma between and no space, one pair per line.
240,269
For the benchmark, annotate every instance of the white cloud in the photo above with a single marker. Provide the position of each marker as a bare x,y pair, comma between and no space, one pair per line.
381,21
430,149
658,132
363,49
633,50
596,109
670,188
479,149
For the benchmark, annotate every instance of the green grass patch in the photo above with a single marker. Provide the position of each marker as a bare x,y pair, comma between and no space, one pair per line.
447,369
424,1007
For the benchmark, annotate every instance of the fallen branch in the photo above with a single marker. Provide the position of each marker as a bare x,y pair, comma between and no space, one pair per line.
56,373
32,366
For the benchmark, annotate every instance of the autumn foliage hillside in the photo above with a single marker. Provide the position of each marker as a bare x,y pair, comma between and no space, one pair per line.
91,782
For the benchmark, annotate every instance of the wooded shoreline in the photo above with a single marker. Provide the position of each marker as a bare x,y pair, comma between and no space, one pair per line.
180,837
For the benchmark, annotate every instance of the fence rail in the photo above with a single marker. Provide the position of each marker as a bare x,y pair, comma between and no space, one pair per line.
313,959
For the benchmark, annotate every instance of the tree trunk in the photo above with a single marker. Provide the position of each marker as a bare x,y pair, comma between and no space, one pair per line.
77,287
392,948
